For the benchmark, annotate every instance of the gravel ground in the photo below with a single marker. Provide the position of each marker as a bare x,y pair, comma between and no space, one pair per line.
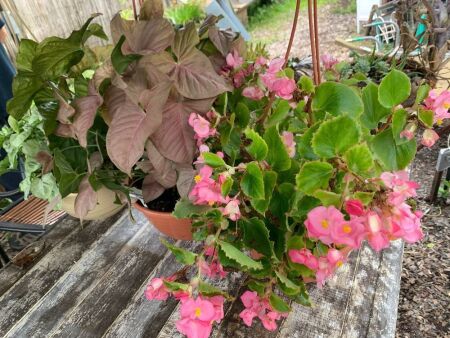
331,26
424,309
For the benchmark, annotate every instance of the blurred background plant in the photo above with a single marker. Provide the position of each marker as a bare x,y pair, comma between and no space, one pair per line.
181,14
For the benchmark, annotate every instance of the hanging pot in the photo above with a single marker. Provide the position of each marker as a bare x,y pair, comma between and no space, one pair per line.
106,206
167,224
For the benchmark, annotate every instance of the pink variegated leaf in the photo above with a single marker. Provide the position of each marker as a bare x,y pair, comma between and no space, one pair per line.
185,41
222,39
151,189
185,180
65,130
86,199
95,161
174,139
145,37
146,166
163,172
86,108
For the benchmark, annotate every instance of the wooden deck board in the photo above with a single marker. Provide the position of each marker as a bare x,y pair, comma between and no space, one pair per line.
91,284
16,302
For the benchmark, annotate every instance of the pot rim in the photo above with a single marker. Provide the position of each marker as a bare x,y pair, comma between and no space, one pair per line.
139,205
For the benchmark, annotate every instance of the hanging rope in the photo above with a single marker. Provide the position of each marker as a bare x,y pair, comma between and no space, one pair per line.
294,28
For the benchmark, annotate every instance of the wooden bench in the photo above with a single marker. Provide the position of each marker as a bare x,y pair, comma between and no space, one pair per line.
90,283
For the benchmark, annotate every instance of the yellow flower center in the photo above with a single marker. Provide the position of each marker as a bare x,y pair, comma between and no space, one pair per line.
197,178
198,312
439,122
447,105
347,228
339,263
211,203
325,224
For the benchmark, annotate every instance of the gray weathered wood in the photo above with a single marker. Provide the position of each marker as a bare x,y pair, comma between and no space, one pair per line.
143,317
38,280
11,274
77,283
114,290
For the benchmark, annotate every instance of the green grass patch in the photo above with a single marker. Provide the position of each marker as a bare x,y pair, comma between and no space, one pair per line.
272,14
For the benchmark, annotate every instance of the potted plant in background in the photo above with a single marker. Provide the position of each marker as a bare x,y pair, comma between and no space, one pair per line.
55,130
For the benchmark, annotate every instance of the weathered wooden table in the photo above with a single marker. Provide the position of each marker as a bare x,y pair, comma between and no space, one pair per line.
90,283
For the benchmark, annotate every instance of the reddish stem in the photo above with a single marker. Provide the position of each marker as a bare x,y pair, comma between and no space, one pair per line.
293,30
312,40
134,9
316,39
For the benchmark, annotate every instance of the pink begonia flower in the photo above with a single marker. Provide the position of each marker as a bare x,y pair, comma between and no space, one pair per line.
234,60
198,315
206,190
256,307
211,270
354,207
305,257
429,138
320,220
282,86
439,103
405,223
239,78
408,134
253,93
181,295
252,305
377,235
201,126
232,210
328,61
156,290
211,115
260,61
328,264
402,187
289,143
350,233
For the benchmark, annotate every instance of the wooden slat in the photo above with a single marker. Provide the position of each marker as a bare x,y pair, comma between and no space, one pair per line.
11,274
95,314
146,318
37,281
75,285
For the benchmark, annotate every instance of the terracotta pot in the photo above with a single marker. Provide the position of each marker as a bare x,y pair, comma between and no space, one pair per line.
105,205
168,224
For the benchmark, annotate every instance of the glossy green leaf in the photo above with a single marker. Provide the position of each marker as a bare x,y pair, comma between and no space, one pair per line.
279,113
261,205
120,61
237,256
335,136
394,89
399,119
289,287
314,175
183,256
306,84
258,148
422,93
213,160
337,99
426,117
208,290
278,304
374,112
252,183
256,236
278,156
185,209
328,198
359,159
392,156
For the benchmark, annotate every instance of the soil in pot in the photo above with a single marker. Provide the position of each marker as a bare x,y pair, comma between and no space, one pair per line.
166,202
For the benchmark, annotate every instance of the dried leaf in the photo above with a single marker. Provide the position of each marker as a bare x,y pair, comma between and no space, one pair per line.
86,108
65,111
46,160
86,199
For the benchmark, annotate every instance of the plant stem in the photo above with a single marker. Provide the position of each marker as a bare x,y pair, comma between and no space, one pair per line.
264,115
